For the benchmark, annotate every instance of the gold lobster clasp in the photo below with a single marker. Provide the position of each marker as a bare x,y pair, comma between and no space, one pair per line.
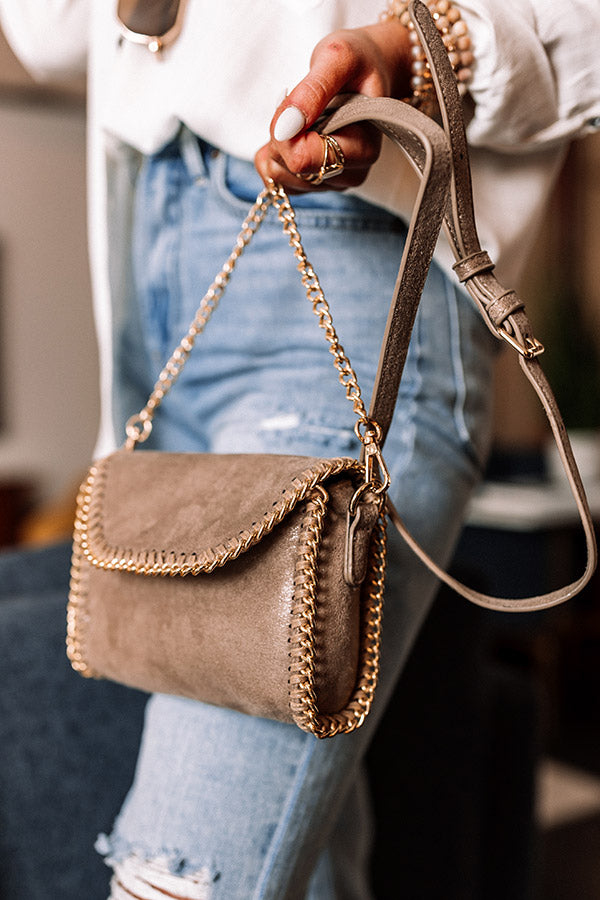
377,476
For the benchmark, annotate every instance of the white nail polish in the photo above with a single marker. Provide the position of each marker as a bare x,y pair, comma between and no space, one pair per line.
289,124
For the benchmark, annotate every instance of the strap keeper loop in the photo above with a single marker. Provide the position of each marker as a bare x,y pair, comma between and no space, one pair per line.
503,306
472,265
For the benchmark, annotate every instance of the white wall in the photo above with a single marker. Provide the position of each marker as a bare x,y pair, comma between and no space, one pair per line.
48,362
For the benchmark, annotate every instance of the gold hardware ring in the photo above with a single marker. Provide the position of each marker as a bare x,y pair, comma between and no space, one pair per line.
333,161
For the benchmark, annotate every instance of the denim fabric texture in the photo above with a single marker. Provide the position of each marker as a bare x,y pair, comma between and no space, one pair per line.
270,811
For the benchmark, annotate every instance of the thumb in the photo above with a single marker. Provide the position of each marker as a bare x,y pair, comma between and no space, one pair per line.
332,65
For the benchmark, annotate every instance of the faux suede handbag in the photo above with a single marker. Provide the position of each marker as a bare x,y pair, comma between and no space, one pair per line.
255,582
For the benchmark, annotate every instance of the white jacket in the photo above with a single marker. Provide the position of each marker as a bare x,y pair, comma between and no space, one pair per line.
536,85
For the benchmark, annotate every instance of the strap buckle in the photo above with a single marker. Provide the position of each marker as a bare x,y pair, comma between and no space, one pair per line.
528,347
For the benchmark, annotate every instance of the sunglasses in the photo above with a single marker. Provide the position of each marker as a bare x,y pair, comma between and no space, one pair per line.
152,23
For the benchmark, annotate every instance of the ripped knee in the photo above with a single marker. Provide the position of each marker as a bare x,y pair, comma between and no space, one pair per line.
138,879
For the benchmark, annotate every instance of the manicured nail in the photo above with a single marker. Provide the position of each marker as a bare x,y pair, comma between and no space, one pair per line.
289,124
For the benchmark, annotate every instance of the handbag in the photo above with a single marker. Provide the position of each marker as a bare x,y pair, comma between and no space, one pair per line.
255,582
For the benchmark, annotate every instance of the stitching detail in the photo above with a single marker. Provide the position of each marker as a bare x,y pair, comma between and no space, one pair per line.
301,682
77,614
90,546
151,561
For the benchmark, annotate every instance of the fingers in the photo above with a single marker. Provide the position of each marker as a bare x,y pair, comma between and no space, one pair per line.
287,162
334,64
350,61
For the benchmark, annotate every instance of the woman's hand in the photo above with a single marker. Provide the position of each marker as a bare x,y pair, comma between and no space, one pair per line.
374,61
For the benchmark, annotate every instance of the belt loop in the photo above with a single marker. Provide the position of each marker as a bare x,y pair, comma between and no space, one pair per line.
191,154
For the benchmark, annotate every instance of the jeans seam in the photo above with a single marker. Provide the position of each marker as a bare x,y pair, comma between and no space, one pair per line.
191,156
284,819
318,218
217,178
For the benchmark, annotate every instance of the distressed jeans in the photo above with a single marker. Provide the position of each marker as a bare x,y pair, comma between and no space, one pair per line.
225,806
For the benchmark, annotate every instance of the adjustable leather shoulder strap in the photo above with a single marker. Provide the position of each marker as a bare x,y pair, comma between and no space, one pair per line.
426,147
503,311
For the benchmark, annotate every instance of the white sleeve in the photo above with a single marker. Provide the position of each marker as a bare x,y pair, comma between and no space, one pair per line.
536,77
50,37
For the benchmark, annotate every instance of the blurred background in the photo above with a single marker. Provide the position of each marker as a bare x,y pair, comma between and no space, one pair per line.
48,360
522,815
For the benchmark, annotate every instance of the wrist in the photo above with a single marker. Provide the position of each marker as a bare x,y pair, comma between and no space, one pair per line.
457,41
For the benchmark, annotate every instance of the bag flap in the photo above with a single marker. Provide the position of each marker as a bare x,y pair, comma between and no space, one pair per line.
181,513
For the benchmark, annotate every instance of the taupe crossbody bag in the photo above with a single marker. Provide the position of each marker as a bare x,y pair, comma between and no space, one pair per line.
256,582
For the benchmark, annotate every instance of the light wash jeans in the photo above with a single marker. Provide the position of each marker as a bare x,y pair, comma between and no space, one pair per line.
249,807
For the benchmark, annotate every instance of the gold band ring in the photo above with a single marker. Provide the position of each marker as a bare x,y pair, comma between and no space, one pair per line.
333,161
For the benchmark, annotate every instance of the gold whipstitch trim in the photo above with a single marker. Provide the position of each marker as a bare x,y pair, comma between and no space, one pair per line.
76,606
152,561
303,699
91,548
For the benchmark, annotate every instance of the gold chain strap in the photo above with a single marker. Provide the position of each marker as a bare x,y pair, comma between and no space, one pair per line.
303,698
315,296
139,426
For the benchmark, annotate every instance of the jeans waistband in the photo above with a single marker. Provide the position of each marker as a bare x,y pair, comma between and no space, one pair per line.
203,161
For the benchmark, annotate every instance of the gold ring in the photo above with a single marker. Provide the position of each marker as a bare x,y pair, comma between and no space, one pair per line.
333,161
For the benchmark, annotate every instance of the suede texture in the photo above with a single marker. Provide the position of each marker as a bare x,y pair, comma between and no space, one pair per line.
223,636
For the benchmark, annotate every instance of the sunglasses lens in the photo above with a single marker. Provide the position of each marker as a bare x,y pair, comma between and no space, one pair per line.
150,17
